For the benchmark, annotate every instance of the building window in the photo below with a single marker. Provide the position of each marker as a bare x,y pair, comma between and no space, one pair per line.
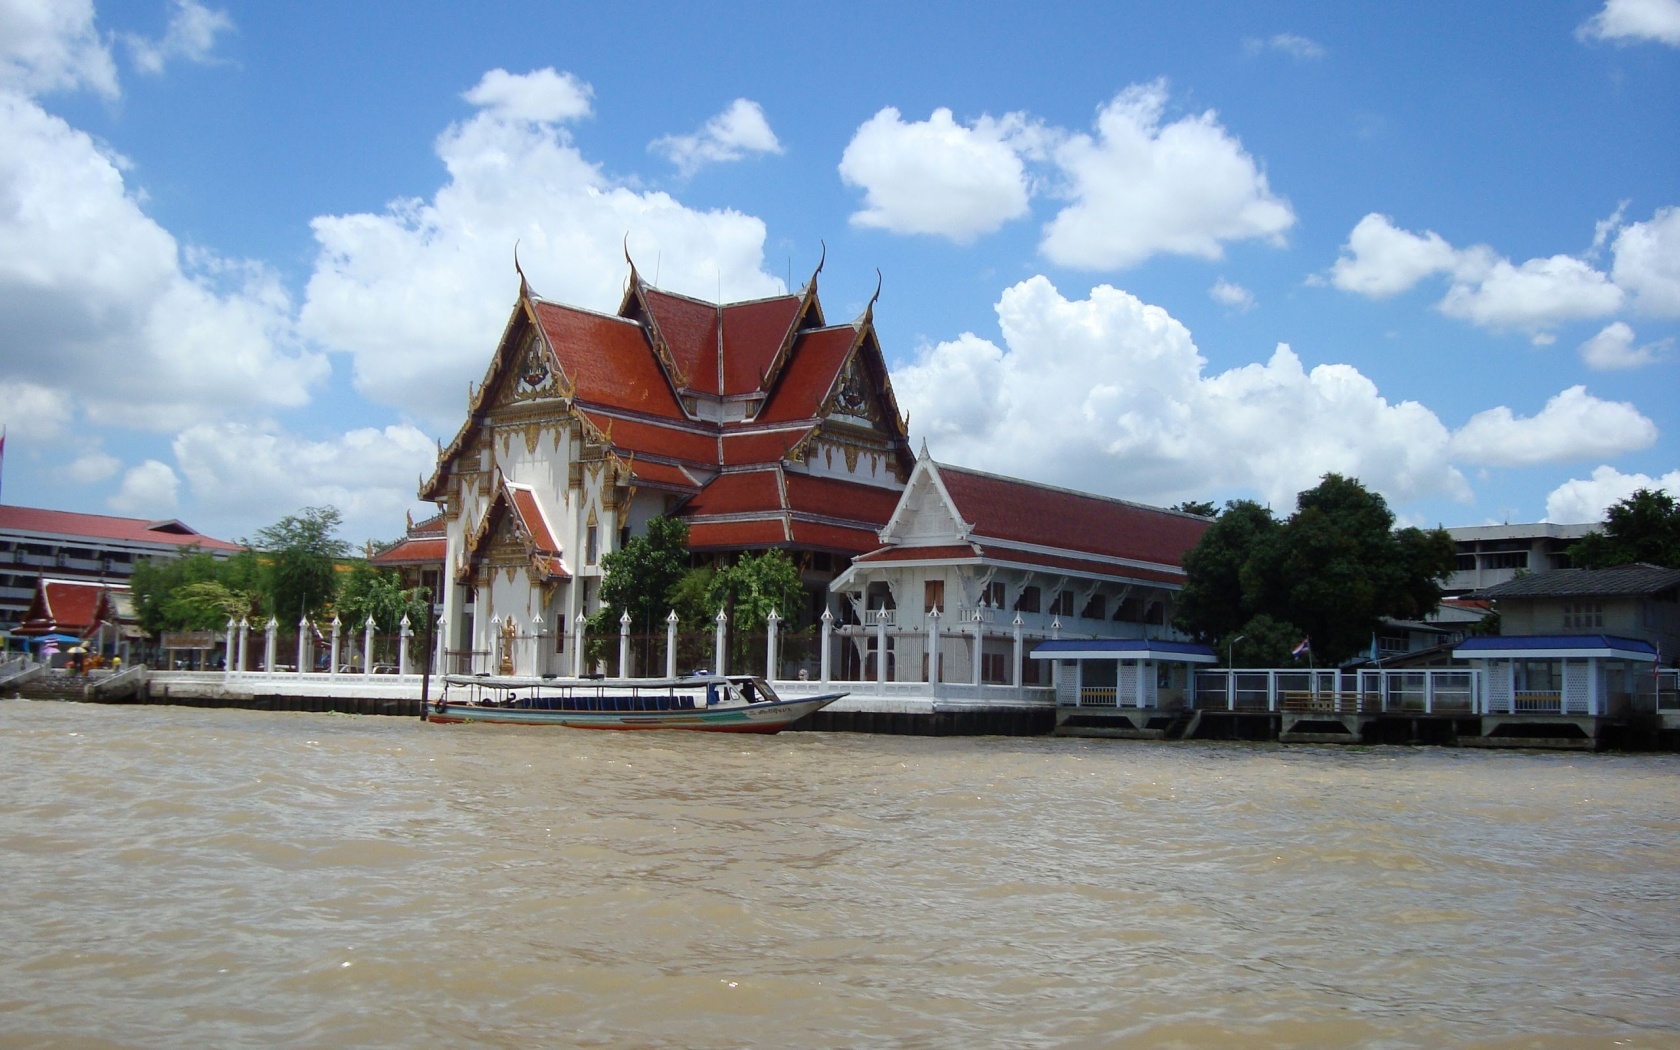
560,633
994,594
1465,563
1095,609
933,594
1028,601
1508,560
591,544
1063,605
1583,614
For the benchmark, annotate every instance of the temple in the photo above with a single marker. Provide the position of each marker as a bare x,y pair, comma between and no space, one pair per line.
759,423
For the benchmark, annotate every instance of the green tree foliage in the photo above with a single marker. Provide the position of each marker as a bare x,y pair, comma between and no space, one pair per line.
754,585
643,574
300,551
1331,572
379,593
1645,527
1264,641
1199,507
195,592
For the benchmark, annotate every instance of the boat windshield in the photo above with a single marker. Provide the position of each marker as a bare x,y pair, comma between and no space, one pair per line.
754,689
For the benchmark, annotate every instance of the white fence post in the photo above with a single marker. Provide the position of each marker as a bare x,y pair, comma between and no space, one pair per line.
367,645
771,622
624,644
305,650
671,645
718,641
268,646
227,662
827,637
338,627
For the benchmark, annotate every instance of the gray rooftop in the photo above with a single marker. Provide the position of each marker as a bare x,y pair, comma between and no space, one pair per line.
1622,581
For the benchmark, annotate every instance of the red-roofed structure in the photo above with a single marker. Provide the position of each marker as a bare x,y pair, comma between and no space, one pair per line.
95,548
757,422
1000,559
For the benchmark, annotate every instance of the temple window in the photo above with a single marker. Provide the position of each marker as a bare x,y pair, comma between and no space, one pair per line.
1028,601
592,545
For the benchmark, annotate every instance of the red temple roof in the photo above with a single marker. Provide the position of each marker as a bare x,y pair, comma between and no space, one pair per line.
105,527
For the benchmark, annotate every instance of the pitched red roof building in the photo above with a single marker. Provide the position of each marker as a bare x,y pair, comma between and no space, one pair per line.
759,423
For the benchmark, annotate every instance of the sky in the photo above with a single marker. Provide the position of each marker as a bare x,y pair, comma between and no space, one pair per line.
252,256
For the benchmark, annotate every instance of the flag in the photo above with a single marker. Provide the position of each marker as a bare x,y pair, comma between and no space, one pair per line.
1304,647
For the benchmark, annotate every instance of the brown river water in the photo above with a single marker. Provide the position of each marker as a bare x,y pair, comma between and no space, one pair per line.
182,877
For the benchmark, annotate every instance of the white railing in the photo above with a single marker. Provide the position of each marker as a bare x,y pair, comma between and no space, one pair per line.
1431,691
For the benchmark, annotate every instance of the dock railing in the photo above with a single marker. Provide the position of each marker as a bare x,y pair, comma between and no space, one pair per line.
1366,691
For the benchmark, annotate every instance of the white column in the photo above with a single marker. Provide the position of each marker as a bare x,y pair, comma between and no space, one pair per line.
405,633
881,646
244,641
1019,649
718,641
367,645
268,646
771,623
441,658
671,644
827,638
1592,685
538,665
979,642
305,650
1056,627
624,644
227,668
577,647
338,628
933,646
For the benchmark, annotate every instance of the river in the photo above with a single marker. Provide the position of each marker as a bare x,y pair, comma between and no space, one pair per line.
227,878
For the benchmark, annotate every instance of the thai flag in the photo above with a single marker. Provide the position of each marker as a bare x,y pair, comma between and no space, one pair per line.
1305,646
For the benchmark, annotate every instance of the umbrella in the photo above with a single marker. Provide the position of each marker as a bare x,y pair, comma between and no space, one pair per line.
77,649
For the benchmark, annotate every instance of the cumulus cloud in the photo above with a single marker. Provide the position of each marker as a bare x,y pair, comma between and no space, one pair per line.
1297,47
256,472
1631,21
1574,425
1233,295
148,490
1380,259
52,45
1647,262
191,35
1613,349
418,293
93,466
1139,188
1111,394
542,96
937,176
33,411
98,299
1586,499
731,135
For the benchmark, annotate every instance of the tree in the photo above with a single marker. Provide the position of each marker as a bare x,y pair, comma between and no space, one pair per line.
195,591
1331,572
1201,508
643,573
371,591
753,586
1645,527
300,552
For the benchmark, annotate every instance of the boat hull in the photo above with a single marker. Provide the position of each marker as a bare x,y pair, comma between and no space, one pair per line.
771,717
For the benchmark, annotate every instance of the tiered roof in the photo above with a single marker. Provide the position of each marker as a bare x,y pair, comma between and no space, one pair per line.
425,544
69,607
712,403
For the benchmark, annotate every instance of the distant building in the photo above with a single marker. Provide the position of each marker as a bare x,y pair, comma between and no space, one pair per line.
1493,554
419,557
69,546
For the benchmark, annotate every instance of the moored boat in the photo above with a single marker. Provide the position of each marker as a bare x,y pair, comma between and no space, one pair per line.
706,703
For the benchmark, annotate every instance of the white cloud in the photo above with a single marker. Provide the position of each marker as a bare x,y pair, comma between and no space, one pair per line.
244,472
1297,47
1574,425
1233,295
1534,297
191,35
1635,20
93,466
1380,259
1613,349
34,412
1647,262
148,490
1586,499
98,300
51,45
541,96
418,294
1140,189
937,176
1111,394
737,131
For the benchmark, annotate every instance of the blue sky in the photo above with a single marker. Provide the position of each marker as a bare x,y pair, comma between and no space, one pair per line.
252,255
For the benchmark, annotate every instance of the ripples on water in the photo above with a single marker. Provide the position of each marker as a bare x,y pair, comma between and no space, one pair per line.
186,877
